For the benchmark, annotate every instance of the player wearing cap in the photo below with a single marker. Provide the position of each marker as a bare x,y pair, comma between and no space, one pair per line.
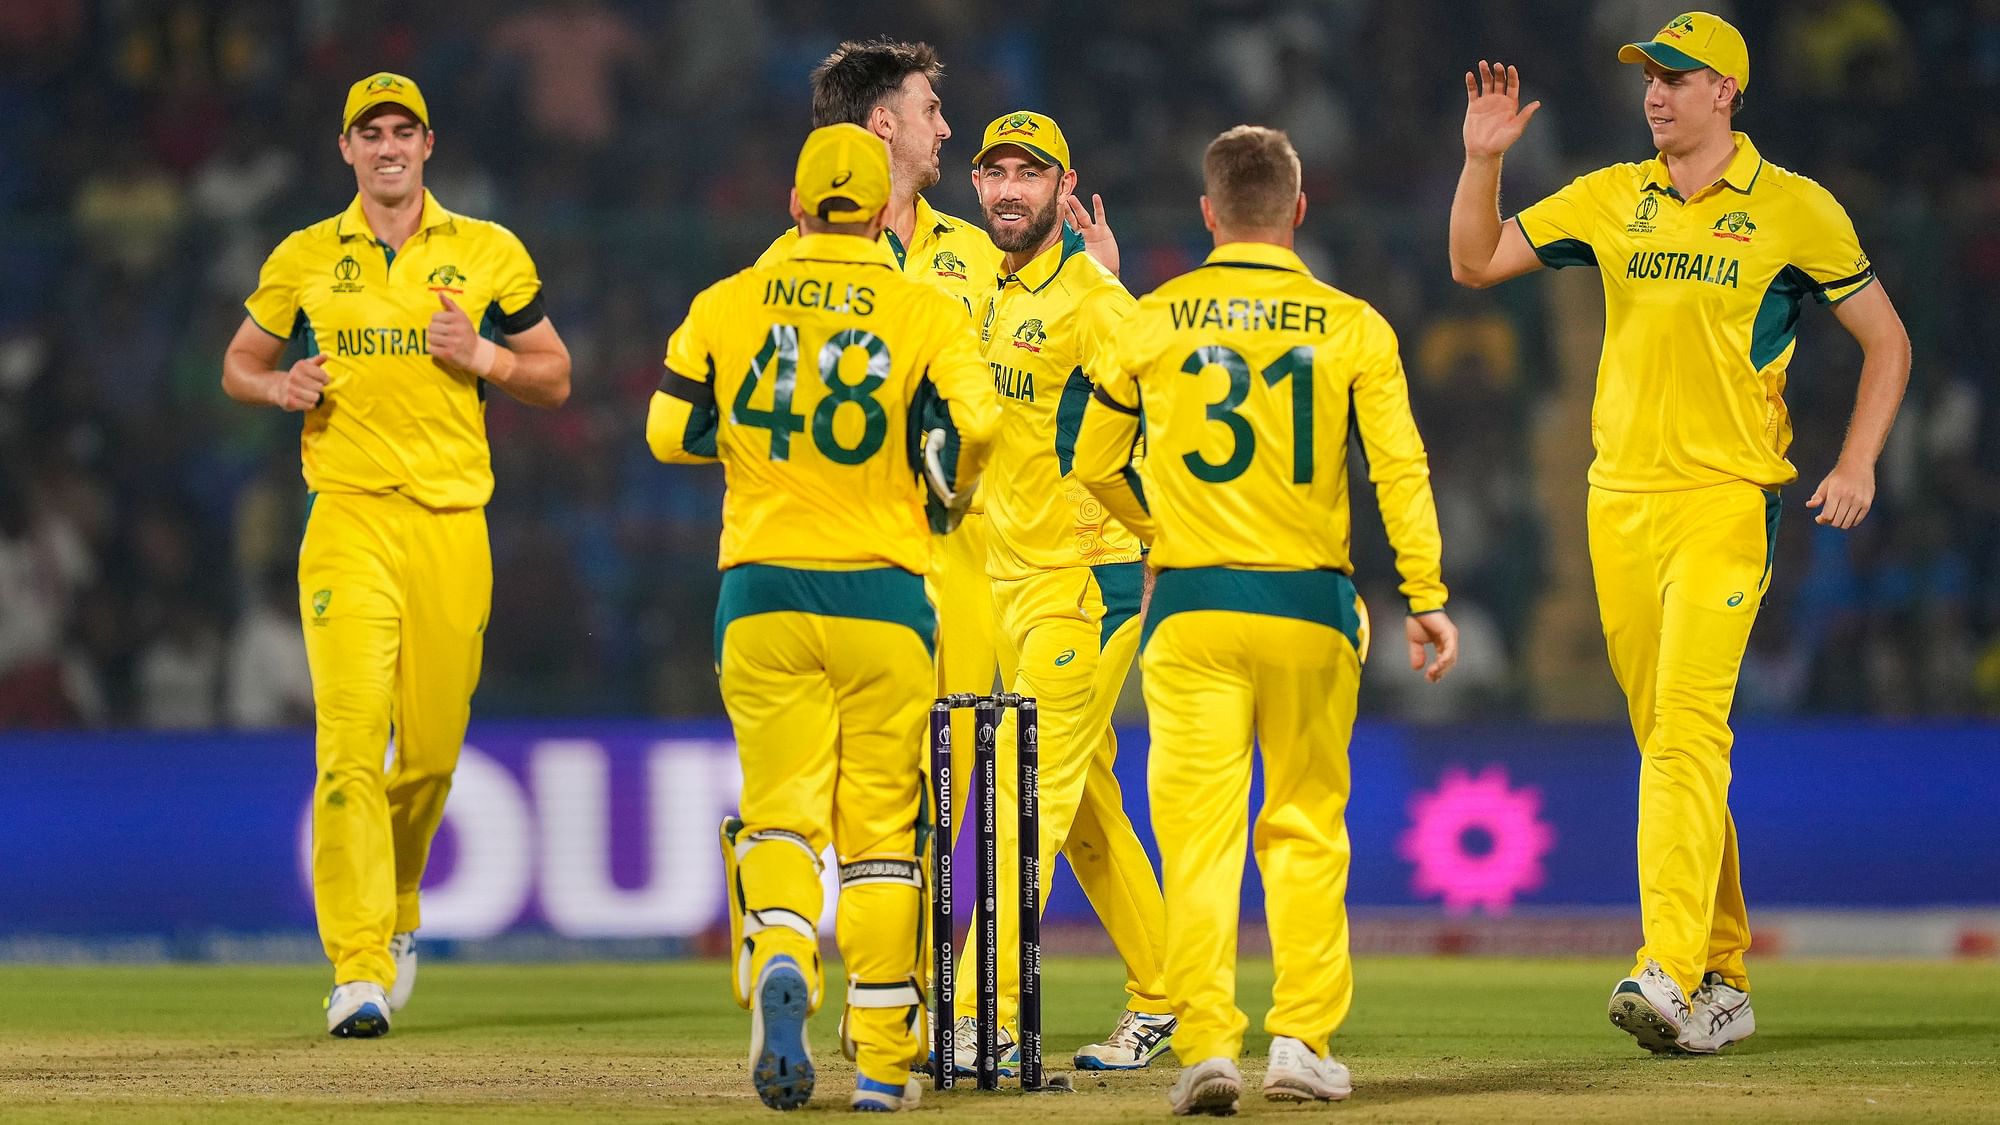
1066,578
1248,371
395,574
799,376
889,88
1706,252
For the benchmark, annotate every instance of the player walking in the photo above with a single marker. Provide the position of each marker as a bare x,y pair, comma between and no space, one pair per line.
1066,578
1248,371
1706,252
395,574
823,633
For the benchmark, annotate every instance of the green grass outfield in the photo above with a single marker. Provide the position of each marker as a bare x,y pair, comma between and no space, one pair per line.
1429,1040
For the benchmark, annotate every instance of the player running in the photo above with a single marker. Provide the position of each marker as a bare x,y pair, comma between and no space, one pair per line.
1247,372
799,377
1706,251
1066,578
395,574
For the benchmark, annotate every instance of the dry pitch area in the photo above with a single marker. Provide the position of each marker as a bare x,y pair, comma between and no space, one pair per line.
1430,1040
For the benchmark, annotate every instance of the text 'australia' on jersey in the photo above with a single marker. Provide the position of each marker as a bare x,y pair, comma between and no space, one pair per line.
1248,371
1038,332
1701,299
393,418
806,370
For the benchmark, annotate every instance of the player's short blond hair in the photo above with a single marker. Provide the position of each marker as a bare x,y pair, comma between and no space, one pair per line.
1251,177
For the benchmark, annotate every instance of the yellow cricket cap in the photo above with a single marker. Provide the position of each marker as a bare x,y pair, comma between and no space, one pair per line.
843,174
1693,41
384,89
1036,133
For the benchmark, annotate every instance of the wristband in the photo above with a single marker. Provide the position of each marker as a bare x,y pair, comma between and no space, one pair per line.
485,354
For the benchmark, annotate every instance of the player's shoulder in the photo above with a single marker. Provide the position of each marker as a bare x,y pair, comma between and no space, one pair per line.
304,240
1612,179
485,233
1795,187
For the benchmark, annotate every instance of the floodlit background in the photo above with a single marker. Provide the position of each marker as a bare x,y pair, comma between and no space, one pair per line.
152,152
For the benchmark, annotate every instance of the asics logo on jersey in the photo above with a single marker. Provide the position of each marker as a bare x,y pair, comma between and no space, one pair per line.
1068,655
1736,599
1736,225
841,180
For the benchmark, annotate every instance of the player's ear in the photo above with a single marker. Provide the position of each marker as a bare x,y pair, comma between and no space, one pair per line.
1207,214
798,213
430,142
1067,186
344,153
881,122
1299,216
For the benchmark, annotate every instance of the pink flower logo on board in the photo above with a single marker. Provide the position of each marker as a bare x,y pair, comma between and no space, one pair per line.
1477,841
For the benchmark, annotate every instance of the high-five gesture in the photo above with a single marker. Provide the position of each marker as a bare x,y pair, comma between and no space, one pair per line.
1494,116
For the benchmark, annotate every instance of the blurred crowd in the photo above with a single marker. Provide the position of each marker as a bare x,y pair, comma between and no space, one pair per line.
152,151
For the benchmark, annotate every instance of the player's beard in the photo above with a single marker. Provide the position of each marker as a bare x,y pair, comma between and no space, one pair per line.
1030,234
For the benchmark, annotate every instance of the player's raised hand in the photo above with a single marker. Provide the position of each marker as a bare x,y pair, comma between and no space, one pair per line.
301,387
1434,630
1494,116
451,337
1844,496
1097,239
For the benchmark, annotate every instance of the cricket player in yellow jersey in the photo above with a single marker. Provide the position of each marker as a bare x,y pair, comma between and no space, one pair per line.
395,575
889,88
1706,251
800,378
1248,372
1066,578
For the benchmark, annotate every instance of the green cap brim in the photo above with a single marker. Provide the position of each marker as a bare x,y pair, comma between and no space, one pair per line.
1667,55
1037,152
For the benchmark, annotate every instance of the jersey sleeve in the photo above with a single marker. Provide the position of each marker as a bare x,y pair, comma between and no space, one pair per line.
1098,319
1830,253
1560,228
1398,465
965,383
681,421
1108,442
275,304
517,287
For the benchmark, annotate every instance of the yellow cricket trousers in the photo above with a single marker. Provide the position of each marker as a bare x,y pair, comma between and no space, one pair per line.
968,658
1230,654
827,677
1679,579
1067,638
394,599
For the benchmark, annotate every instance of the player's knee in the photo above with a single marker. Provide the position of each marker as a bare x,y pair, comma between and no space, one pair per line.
881,915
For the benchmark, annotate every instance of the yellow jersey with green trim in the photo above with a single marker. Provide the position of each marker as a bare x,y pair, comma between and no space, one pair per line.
1039,330
393,419
799,377
1249,373
1702,297
952,254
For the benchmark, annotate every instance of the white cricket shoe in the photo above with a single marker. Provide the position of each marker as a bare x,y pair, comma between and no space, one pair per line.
1720,1015
1298,1075
1136,1041
403,947
1651,1008
1210,1086
357,1010
965,1048
871,1096
781,1066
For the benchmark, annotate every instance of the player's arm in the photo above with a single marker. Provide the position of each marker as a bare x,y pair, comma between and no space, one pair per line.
681,421
532,366
1485,251
1401,473
965,382
1106,445
250,373
1847,493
